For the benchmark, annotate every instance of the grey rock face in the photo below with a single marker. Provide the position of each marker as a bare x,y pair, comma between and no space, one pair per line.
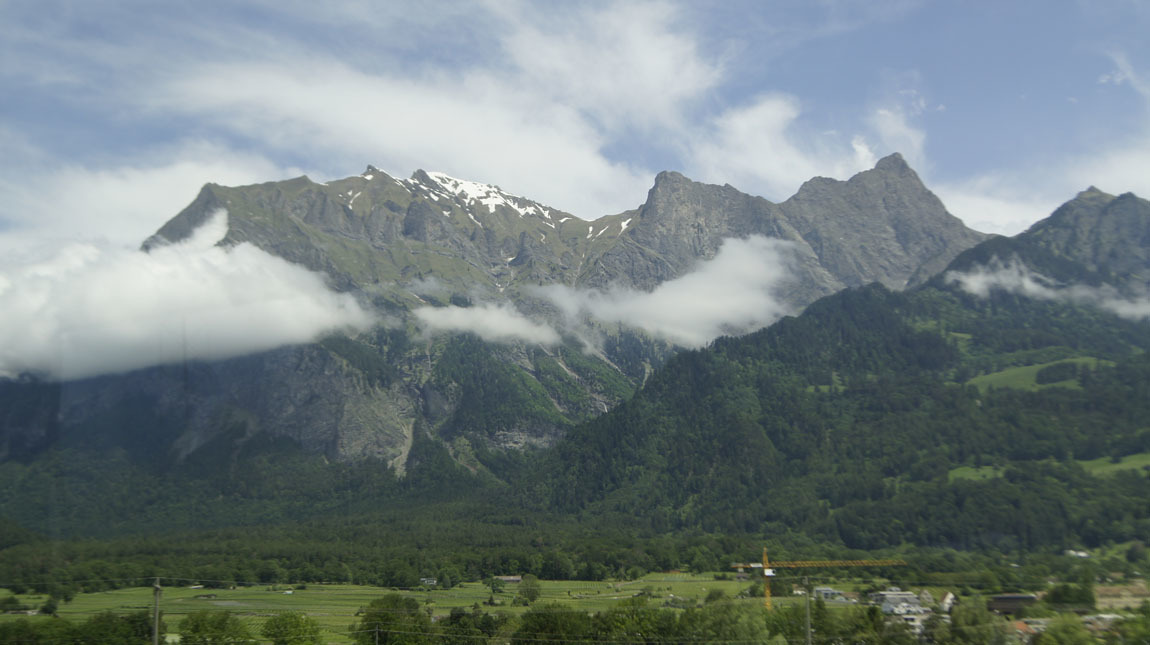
1107,234
304,393
882,225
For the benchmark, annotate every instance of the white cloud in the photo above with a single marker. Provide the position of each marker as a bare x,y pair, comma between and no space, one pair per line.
429,286
994,204
119,204
574,105
1016,277
493,323
864,156
1118,170
1124,73
897,134
625,66
473,126
730,294
545,107
759,148
1008,201
91,310
763,146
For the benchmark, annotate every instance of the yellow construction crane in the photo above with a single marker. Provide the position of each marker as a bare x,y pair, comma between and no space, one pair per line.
768,568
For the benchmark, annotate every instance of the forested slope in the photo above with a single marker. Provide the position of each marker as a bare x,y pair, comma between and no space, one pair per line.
847,422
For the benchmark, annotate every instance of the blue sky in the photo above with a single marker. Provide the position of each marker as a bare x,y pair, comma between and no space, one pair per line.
115,113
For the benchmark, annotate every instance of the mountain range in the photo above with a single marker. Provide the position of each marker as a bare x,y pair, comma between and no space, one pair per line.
410,249
903,346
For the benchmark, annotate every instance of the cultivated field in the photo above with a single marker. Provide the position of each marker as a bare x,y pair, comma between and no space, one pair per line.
336,607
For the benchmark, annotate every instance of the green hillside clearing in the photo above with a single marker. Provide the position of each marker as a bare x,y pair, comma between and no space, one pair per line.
1025,377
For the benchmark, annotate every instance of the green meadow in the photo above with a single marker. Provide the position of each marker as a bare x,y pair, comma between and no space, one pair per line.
1101,467
336,607
1024,377
1108,466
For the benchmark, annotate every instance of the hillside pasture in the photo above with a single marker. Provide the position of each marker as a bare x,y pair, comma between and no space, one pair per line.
1024,377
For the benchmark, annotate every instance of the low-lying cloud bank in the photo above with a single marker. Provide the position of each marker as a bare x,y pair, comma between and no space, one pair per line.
1016,277
493,323
731,294
91,311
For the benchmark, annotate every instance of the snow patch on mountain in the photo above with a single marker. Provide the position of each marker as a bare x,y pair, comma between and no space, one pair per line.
486,194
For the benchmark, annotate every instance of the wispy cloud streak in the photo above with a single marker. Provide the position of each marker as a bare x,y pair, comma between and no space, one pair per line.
1015,277
734,293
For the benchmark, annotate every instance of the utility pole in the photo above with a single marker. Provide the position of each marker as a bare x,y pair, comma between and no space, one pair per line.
156,591
807,587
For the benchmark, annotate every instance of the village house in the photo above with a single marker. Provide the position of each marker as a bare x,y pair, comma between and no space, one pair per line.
828,594
898,602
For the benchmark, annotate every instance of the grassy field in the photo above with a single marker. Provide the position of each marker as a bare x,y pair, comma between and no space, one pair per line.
1023,378
335,607
1102,467
1106,466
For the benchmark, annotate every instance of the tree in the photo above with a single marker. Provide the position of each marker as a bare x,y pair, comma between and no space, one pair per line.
209,627
51,630
1071,596
495,584
1065,629
972,623
632,620
1136,628
449,577
292,628
112,629
393,619
1136,552
553,622
724,622
530,588
463,628
557,566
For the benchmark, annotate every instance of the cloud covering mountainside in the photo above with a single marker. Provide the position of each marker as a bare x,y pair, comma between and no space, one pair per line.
733,293
1015,277
92,310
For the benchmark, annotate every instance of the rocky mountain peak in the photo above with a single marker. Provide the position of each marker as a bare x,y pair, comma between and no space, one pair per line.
669,178
1090,199
1104,233
893,163
882,224
420,176
1092,240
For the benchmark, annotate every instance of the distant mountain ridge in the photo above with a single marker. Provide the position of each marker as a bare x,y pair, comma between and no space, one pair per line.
435,241
881,225
1095,239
